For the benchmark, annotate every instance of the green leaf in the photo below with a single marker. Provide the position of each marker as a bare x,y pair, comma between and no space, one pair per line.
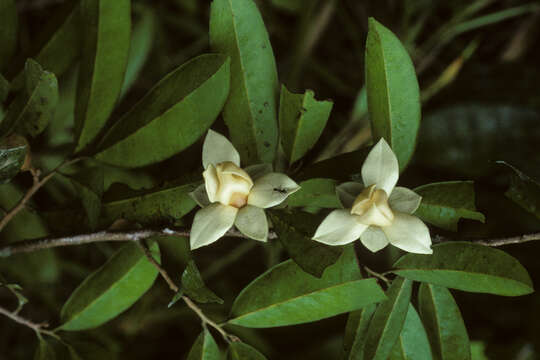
413,341
444,324
106,37
204,348
110,290
45,351
151,207
142,39
295,230
392,91
64,46
241,351
13,150
315,192
88,185
356,331
444,203
286,295
344,167
524,190
30,112
237,29
388,320
194,287
468,267
301,122
4,89
194,93
8,31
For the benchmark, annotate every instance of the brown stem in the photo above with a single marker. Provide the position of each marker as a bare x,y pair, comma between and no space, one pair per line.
37,184
204,319
519,239
101,236
38,328
377,275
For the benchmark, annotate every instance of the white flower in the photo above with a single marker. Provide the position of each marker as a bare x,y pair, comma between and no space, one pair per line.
234,196
377,212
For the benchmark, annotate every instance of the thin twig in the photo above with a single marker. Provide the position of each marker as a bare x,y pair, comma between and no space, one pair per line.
377,275
101,236
37,184
204,319
509,240
38,328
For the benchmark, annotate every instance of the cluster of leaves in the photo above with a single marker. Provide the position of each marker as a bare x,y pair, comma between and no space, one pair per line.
94,50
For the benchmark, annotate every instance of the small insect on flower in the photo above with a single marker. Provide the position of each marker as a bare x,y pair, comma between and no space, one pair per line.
232,196
377,212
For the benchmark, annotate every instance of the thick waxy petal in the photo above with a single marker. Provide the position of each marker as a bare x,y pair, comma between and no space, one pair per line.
374,239
409,233
211,223
251,221
339,228
211,182
200,196
404,200
271,189
217,149
230,168
381,167
347,193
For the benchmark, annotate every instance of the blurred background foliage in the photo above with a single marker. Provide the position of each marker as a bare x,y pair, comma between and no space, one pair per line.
477,64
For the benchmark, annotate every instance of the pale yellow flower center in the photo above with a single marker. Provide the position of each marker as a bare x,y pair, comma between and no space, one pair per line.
371,207
228,184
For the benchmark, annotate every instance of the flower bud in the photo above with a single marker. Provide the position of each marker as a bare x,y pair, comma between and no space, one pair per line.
371,207
227,184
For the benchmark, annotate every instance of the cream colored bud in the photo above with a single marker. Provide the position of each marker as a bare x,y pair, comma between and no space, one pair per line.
371,207
227,184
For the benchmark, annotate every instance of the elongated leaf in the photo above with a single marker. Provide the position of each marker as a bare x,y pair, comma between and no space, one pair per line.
194,287
8,31
286,295
172,116
413,341
388,320
4,89
13,151
468,267
444,324
204,348
241,351
301,122
295,230
64,46
524,190
142,39
89,187
315,192
44,351
105,47
355,333
34,107
237,29
392,91
110,290
444,203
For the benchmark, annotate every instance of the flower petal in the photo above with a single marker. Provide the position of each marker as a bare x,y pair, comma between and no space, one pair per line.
374,239
409,233
200,196
251,221
381,167
404,200
211,182
217,148
258,170
339,228
231,169
211,223
347,193
271,189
